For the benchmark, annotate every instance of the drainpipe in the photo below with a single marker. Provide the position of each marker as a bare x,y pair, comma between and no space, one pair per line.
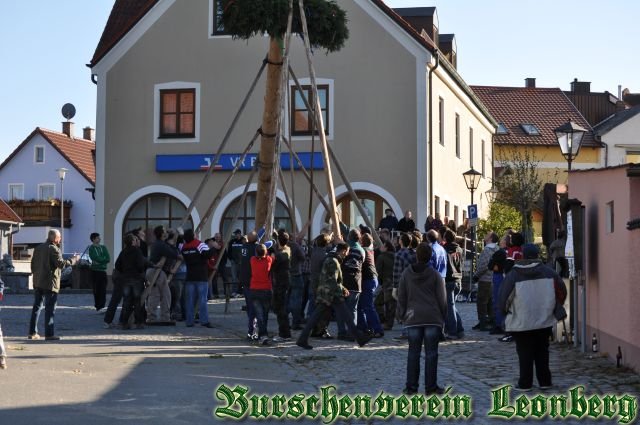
11,233
430,131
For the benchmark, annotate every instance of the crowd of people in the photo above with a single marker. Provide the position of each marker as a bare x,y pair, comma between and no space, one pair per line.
410,278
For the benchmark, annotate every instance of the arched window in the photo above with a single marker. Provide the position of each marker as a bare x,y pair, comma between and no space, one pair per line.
373,203
247,217
154,210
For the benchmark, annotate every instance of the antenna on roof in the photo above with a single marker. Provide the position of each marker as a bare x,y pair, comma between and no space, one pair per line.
68,111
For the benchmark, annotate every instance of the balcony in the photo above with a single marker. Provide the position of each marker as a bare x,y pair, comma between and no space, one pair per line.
41,213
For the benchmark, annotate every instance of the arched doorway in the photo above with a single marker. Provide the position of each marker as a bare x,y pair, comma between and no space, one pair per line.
373,204
246,220
154,210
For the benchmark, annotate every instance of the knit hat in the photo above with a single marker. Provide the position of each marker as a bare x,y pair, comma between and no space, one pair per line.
530,251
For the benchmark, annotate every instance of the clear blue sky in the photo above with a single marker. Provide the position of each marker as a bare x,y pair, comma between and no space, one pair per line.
44,46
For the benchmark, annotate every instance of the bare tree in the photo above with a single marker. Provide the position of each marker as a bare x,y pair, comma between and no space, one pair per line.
520,186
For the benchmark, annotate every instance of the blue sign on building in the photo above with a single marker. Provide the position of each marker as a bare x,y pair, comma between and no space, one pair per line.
199,162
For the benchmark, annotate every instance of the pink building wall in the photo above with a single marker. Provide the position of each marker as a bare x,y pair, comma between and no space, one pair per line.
612,260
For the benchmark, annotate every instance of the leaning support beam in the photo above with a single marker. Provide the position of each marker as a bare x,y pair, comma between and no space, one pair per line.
216,158
319,123
346,181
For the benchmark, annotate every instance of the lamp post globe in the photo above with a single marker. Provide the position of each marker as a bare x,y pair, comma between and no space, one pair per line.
570,137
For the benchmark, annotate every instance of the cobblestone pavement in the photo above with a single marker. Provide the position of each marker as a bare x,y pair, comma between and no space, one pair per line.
169,374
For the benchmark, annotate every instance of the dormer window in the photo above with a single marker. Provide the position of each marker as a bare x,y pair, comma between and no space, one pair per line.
530,129
502,129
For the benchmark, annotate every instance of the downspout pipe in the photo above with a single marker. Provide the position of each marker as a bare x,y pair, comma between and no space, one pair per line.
430,130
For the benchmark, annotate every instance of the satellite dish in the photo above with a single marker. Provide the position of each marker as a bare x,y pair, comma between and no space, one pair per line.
68,111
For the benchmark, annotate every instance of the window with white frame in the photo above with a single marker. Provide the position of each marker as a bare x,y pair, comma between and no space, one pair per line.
457,135
299,120
436,201
177,112
38,155
482,161
216,25
609,217
441,120
46,191
447,208
471,147
456,214
16,191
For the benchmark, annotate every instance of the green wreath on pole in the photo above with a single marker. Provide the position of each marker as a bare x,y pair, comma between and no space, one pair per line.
326,21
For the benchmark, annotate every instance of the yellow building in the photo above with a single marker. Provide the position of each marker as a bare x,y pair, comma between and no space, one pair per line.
527,117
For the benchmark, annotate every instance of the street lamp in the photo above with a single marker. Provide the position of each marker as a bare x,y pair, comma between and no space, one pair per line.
472,180
569,137
62,172
491,195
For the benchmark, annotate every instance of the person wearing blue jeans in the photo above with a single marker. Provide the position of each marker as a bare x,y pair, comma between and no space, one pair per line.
429,336
197,291
196,255
49,299
261,300
367,315
351,304
422,308
453,282
296,292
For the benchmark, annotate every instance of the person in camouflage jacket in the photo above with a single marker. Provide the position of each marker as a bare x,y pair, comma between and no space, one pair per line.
330,293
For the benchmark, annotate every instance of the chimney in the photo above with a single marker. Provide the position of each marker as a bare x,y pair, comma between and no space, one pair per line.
67,128
421,18
88,133
580,86
530,83
449,49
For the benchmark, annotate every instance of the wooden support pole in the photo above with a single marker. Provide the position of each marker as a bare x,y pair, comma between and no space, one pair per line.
216,158
343,175
319,123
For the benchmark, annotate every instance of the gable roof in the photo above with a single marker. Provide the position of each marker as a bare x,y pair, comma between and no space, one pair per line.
78,152
125,14
615,120
7,214
546,108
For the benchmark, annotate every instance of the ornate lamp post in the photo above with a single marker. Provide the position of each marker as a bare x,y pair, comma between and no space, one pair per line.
472,180
569,137
62,172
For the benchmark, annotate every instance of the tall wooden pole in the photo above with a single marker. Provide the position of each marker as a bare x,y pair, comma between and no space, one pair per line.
270,115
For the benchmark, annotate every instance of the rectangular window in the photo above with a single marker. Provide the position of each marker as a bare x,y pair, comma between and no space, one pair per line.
177,113
447,208
464,215
46,191
458,135
38,155
16,191
437,204
301,120
456,214
441,118
470,147
610,218
482,161
218,26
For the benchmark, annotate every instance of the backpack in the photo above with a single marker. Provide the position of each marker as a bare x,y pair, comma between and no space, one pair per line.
454,266
352,270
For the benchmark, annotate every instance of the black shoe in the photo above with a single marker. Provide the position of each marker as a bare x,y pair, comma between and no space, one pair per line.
477,326
506,338
304,345
409,391
207,325
496,331
326,335
296,328
346,338
436,390
363,339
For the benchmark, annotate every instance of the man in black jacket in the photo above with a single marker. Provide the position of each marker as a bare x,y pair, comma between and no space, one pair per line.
160,292
248,251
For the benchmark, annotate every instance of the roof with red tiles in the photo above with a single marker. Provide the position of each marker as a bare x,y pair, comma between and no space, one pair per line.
78,152
546,108
7,214
126,14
